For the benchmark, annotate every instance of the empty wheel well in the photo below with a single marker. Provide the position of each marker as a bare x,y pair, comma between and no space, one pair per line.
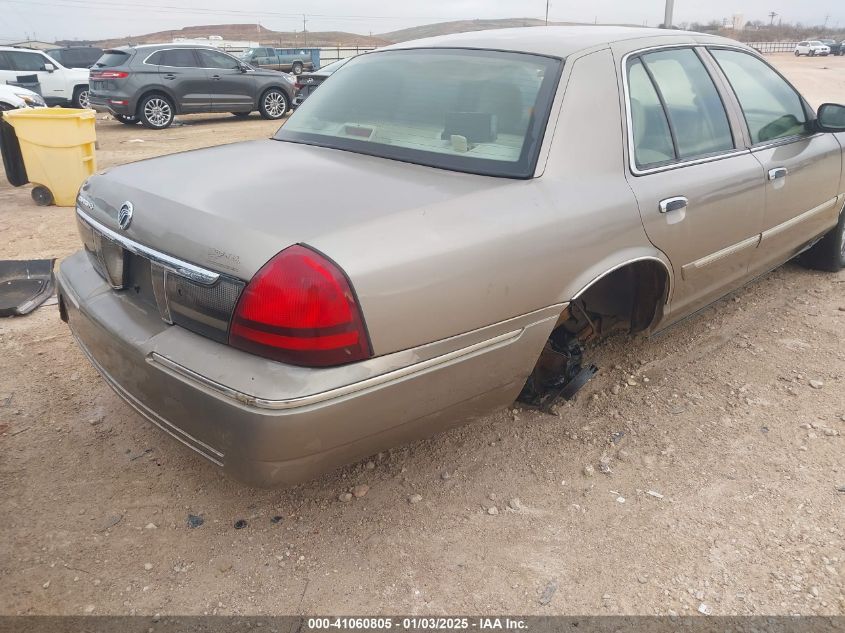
631,297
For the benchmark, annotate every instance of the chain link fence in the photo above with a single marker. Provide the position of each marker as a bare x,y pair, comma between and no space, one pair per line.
772,47
333,53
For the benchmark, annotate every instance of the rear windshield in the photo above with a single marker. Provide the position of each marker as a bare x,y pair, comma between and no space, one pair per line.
467,110
328,69
112,58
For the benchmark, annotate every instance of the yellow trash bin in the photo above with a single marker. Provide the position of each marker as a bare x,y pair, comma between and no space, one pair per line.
57,146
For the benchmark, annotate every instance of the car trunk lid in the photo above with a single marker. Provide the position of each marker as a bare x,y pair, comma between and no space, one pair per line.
233,207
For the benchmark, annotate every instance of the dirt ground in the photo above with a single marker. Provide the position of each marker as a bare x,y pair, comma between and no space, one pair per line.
723,466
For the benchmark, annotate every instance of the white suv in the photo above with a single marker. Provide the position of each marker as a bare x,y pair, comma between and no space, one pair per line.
58,85
811,48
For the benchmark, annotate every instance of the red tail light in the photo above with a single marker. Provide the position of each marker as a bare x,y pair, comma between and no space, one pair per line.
300,309
108,74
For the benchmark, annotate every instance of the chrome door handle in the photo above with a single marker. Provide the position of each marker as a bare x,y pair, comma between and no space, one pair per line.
673,204
778,172
216,77
170,76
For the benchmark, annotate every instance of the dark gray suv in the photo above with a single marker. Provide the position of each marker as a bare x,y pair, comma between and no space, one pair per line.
154,83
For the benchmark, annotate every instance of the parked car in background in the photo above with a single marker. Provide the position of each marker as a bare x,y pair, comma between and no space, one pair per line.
76,56
14,97
466,211
306,83
58,84
295,61
834,46
154,83
812,48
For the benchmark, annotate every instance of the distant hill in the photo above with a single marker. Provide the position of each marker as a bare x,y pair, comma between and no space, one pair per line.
267,37
462,26
249,32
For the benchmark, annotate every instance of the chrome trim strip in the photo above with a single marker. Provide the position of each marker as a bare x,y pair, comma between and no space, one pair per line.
786,140
733,249
213,455
784,226
189,47
331,394
632,165
192,272
625,263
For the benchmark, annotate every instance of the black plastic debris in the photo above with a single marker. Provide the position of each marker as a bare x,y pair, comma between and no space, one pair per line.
24,285
194,521
277,519
240,524
558,373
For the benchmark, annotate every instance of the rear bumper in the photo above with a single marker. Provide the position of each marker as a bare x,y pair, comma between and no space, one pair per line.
112,104
269,424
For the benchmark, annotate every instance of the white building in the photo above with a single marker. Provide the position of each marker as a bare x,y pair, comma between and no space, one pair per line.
231,46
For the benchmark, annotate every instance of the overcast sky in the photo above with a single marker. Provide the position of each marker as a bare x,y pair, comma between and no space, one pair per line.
95,19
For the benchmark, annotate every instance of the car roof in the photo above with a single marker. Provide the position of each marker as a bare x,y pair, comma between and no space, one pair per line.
20,48
154,47
557,41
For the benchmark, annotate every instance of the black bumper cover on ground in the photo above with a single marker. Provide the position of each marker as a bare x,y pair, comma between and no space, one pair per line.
24,285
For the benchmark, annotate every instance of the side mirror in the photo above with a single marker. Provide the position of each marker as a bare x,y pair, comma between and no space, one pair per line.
831,118
49,67
243,67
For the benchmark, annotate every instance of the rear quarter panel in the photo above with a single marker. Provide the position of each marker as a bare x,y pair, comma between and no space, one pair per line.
513,247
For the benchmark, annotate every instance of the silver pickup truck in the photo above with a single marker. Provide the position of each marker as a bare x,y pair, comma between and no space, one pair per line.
286,60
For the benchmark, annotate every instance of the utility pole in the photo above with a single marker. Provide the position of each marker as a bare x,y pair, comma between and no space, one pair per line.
547,12
304,33
826,18
667,15
772,16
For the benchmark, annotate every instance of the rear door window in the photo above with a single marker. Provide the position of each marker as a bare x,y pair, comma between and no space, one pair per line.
772,108
179,58
691,108
652,138
695,110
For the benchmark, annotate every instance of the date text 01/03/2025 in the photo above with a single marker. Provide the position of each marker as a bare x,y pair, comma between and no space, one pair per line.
415,623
